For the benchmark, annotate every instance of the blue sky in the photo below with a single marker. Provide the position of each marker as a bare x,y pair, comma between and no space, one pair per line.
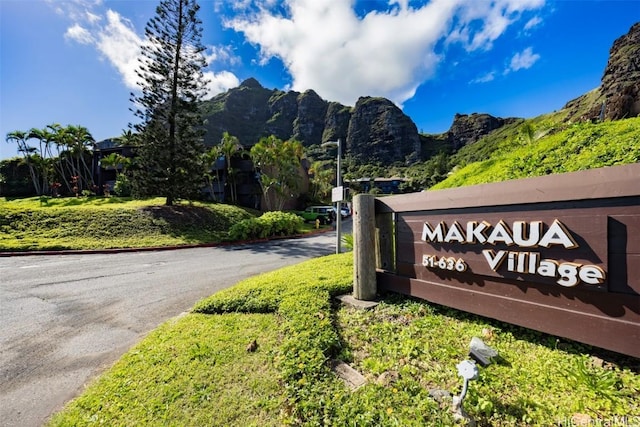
73,62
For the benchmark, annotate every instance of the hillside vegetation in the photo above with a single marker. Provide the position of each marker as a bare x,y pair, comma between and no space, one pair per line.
512,153
101,223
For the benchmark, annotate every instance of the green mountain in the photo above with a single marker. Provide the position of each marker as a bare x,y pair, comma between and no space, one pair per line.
374,130
379,139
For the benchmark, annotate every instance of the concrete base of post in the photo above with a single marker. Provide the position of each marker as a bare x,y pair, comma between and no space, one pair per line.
356,303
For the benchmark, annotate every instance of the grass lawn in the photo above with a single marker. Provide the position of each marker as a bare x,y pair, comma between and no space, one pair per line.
196,370
191,371
101,223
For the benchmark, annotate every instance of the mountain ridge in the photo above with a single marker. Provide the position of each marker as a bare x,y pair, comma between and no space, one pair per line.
376,131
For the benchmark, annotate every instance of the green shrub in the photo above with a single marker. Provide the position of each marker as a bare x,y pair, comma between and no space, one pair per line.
122,186
268,225
347,241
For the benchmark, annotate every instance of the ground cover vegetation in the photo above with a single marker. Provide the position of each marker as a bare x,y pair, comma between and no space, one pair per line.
36,223
542,149
525,148
260,353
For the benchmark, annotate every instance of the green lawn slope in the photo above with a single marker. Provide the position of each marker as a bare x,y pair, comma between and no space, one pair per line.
551,148
102,223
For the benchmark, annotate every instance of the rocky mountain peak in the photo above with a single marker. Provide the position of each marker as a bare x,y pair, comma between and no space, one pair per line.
251,83
379,132
618,95
375,130
469,128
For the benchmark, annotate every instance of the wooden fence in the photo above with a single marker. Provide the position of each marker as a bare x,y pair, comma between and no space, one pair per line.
559,254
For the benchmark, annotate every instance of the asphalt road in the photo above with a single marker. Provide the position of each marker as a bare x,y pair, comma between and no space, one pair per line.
65,318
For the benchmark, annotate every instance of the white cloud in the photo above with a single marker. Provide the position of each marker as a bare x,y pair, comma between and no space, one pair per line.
403,4
120,44
219,82
486,78
523,60
79,34
532,23
75,10
116,39
92,17
221,55
327,47
480,23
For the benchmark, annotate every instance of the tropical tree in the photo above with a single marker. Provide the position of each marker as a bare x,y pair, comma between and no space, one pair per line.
527,132
68,149
170,144
15,178
322,174
210,158
56,152
279,167
116,161
79,142
30,157
128,137
530,133
229,146
53,147
120,164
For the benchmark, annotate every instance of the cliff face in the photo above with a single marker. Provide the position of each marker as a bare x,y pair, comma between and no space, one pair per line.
618,96
379,132
621,80
467,129
375,130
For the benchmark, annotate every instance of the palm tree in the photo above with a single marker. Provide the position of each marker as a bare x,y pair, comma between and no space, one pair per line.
120,164
80,140
210,159
116,161
20,138
323,174
279,164
48,138
127,138
230,145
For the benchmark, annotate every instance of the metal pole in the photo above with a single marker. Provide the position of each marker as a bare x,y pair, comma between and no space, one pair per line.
339,203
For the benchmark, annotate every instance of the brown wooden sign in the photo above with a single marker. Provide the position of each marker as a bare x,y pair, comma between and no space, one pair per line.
558,254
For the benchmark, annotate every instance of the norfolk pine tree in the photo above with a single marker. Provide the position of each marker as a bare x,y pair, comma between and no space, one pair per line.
170,146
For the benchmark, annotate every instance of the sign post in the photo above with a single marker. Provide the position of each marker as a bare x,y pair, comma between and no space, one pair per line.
337,194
